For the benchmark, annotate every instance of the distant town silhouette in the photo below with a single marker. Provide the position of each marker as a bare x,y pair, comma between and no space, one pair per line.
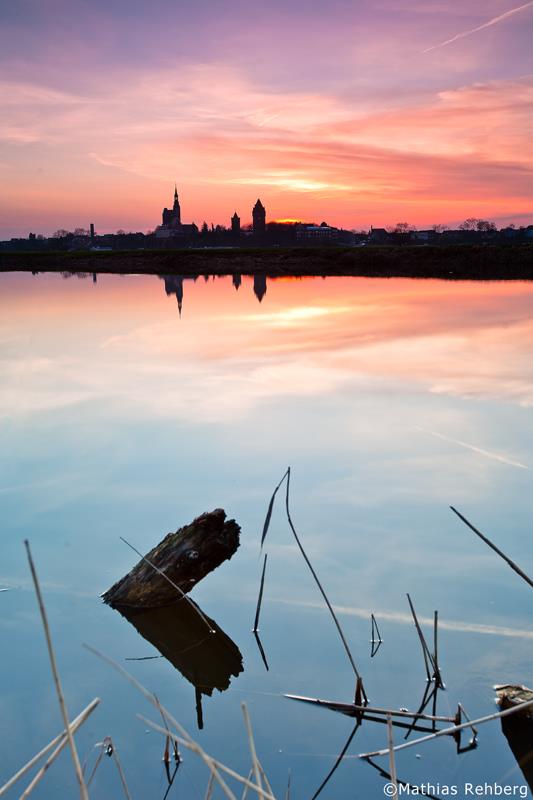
174,285
173,233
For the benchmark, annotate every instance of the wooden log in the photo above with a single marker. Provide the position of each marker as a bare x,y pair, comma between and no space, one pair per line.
518,729
184,557
510,694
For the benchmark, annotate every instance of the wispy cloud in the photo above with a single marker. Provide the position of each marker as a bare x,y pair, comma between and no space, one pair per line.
488,24
474,449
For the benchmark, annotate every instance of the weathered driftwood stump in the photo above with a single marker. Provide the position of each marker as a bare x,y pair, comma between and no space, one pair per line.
518,728
185,557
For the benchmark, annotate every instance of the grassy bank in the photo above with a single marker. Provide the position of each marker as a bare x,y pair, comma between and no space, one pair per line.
461,262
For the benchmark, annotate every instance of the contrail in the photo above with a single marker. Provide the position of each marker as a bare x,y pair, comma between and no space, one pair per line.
398,617
489,24
486,453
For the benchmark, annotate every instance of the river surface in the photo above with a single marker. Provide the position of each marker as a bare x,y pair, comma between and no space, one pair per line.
130,405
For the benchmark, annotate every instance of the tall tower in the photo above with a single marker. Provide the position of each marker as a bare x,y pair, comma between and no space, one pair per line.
176,207
172,216
260,285
259,217
236,224
174,285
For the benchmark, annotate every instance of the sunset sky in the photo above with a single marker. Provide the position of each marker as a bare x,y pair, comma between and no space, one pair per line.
356,112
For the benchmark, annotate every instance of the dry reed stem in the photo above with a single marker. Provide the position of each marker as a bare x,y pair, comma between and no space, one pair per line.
261,649
246,789
62,705
105,745
435,647
428,659
61,746
438,676
409,714
97,763
335,766
372,710
375,630
153,700
166,753
213,763
44,769
414,726
269,510
251,744
265,779
429,693
287,476
462,711
392,761
62,737
317,581
209,790
497,550
142,689
453,729
210,763
260,598
120,771
436,638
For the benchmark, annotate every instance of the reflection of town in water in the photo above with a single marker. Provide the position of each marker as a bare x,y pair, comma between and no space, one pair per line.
174,285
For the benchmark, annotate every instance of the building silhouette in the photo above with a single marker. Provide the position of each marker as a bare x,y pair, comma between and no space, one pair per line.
171,222
236,224
259,217
172,216
174,286
260,285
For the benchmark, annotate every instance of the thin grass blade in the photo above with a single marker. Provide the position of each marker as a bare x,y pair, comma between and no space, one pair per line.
268,517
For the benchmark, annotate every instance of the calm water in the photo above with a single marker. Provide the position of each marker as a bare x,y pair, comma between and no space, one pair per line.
390,399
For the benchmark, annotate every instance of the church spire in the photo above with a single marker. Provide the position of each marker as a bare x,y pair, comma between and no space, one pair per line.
176,210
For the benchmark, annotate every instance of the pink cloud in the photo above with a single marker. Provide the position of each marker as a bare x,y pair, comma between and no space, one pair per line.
450,154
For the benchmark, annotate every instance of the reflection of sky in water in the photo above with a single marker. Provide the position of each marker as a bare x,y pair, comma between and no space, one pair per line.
390,399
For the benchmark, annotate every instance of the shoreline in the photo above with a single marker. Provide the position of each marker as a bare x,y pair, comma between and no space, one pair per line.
453,262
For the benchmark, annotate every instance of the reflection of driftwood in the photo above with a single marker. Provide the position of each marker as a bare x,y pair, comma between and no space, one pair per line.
518,729
185,557
207,660
206,656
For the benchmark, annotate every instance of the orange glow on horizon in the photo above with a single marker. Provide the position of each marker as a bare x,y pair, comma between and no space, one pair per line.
454,154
